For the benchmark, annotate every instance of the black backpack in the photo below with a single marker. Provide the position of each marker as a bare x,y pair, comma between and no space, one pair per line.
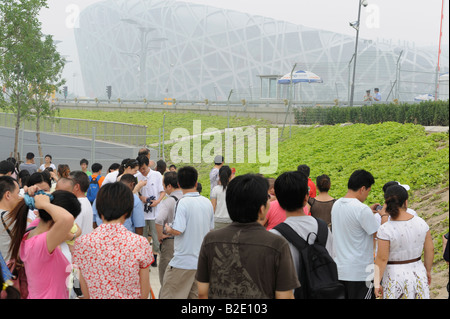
317,272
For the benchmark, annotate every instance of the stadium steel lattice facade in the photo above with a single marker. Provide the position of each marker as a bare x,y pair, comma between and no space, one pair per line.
164,48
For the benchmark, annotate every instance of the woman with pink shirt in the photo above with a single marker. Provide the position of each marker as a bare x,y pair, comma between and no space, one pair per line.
38,249
112,261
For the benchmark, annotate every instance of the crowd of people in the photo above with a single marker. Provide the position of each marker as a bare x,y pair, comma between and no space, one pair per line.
94,234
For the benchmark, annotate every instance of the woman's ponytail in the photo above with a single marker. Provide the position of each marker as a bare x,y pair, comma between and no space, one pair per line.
395,197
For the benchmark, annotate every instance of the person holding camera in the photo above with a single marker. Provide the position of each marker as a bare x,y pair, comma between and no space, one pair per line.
151,194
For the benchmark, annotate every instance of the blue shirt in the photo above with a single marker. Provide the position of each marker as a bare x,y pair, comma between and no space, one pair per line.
194,218
6,274
135,220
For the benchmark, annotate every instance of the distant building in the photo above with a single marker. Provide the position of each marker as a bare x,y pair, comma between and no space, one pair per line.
192,51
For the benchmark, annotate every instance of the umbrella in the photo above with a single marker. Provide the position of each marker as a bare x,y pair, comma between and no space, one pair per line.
300,76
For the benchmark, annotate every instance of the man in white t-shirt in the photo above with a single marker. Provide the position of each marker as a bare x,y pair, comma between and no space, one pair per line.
354,226
81,184
151,195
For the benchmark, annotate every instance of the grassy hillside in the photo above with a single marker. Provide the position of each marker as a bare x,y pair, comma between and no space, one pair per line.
154,120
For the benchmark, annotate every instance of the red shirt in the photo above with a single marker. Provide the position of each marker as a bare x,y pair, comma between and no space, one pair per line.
276,215
312,188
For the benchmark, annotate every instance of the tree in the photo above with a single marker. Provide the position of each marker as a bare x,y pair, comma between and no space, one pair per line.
27,71
46,79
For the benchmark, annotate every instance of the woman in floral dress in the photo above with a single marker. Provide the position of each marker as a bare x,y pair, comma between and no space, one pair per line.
399,270
113,261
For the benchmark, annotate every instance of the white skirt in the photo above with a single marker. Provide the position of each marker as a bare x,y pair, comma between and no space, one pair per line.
405,281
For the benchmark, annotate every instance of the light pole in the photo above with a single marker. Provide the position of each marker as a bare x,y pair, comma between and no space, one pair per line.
356,26
144,31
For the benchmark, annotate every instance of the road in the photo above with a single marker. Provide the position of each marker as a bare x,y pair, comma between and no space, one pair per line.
67,150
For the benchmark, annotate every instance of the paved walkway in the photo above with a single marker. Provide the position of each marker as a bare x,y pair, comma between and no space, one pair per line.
154,280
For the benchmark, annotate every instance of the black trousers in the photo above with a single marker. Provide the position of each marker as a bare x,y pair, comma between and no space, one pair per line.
358,289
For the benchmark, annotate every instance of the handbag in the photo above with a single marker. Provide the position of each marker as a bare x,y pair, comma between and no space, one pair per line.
17,269
19,279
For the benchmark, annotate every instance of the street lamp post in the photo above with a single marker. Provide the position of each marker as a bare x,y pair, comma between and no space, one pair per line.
144,31
356,26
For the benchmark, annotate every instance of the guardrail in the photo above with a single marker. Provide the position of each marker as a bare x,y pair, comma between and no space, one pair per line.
173,103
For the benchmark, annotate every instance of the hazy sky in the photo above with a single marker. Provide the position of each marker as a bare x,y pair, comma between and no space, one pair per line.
405,20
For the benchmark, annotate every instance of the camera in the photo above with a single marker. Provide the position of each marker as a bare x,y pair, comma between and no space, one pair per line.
149,201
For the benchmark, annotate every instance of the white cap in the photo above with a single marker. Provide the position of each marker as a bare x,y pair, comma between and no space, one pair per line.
404,186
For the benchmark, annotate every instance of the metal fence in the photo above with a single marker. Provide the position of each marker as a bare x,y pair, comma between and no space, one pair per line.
122,133
69,140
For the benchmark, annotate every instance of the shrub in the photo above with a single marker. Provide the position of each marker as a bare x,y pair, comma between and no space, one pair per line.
427,113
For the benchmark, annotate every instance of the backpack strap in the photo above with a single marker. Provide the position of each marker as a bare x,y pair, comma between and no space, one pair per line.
4,224
322,231
291,236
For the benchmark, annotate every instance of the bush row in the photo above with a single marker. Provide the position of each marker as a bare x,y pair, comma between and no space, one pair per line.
427,113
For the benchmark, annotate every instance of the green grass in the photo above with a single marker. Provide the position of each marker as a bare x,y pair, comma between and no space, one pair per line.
390,151
154,120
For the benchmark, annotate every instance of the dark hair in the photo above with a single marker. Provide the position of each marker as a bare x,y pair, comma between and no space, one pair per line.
39,177
30,155
48,155
323,183
291,189
10,291
360,178
244,197
7,167
143,151
84,161
187,177
143,160
173,165
389,184
96,167
394,198
80,178
114,200
113,167
171,178
128,162
66,200
304,169
199,187
161,166
7,184
224,176
12,160
23,177
128,179
19,214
